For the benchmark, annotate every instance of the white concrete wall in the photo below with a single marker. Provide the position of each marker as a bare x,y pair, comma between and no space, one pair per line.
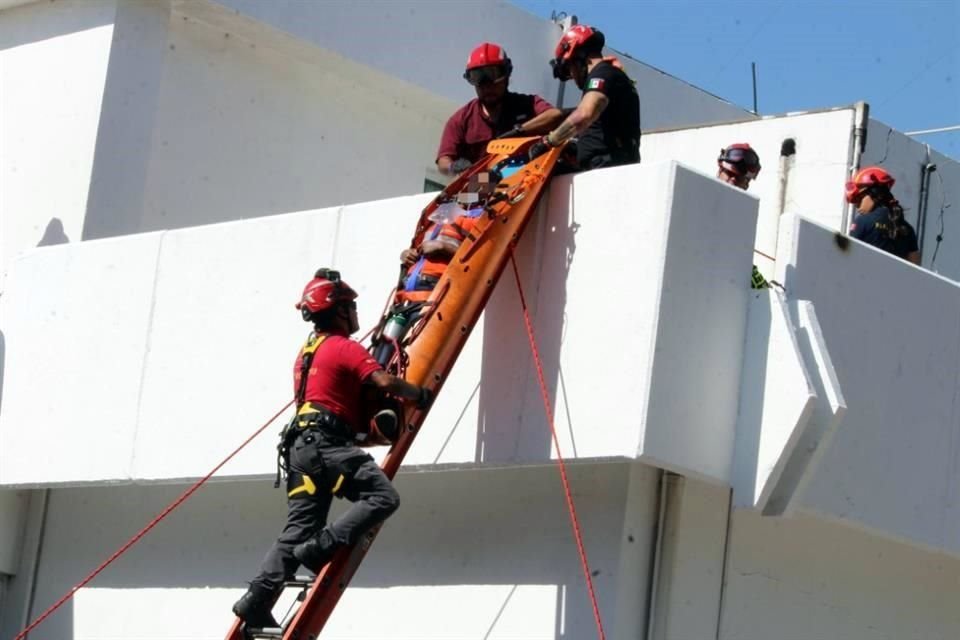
893,336
13,506
128,118
53,60
388,36
665,100
691,413
225,110
269,128
815,175
221,120
202,316
690,580
904,157
799,464
803,578
500,562
83,334
777,399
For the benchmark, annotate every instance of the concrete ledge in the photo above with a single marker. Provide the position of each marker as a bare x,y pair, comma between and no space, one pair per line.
894,342
202,335
776,401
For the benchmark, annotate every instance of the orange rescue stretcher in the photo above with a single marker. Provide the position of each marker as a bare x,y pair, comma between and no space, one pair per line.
423,331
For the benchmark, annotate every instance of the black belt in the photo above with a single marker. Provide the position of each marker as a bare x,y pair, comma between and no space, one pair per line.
316,417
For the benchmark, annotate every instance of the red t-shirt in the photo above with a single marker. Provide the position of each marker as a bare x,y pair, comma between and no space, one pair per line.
468,130
339,367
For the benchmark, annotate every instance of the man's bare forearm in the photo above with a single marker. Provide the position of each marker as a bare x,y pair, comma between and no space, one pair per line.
394,385
577,122
542,123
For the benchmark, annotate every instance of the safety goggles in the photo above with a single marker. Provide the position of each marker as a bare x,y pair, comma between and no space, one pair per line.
744,160
328,274
489,74
561,70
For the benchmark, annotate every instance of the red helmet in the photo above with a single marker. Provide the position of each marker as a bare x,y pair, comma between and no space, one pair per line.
741,160
575,41
866,179
325,291
488,62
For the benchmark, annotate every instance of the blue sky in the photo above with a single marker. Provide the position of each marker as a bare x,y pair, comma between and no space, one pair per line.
902,57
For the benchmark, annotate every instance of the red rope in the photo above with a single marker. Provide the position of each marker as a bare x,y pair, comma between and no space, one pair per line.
556,443
132,541
761,253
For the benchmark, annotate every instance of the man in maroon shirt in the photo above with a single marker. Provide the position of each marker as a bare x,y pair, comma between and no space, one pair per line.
323,460
495,111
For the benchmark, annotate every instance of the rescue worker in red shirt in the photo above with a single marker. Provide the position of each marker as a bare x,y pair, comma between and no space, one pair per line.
738,165
495,112
324,462
880,221
607,120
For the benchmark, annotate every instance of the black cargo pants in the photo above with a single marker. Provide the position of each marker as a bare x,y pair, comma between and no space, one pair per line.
321,468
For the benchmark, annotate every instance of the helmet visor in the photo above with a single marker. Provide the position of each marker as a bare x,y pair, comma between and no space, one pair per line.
485,75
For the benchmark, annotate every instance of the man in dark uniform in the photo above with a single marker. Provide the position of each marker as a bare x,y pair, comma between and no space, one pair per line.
738,165
495,112
880,221
607,120
330,374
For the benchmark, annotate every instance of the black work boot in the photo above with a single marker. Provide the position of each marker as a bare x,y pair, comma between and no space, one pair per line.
254,607
386,422
316,552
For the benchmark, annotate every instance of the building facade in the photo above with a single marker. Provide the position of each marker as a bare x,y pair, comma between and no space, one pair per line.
745,464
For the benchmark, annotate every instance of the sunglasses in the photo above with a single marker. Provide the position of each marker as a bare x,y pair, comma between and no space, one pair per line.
485,75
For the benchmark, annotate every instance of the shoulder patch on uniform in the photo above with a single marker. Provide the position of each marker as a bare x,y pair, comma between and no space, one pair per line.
595,83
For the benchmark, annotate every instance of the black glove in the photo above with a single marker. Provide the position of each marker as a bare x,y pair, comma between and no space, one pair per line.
460,165
425,399
538,149
516,132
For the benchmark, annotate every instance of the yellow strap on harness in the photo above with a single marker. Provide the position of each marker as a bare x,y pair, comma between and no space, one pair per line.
313,341
306,362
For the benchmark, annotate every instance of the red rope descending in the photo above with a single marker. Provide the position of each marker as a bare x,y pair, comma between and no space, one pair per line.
556,443
132,541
